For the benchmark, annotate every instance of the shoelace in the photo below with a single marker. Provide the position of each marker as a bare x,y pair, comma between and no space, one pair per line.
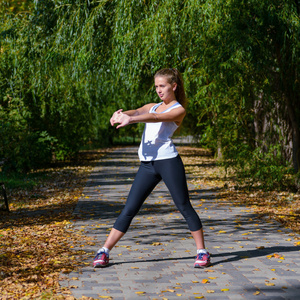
99,254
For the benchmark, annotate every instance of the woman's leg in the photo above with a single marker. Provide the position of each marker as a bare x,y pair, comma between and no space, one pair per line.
173,174
113,237
144,182
199,238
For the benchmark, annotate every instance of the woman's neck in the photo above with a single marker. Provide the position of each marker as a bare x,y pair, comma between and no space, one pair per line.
168,102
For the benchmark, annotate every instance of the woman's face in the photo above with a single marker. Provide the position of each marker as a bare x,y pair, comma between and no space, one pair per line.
164,89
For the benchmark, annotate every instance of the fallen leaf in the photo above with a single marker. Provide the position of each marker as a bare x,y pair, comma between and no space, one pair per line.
269,283
156,244
260,247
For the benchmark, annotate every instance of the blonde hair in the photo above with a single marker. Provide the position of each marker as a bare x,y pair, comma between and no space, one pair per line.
173,75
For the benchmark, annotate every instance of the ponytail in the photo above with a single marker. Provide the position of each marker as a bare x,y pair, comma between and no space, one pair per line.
174,75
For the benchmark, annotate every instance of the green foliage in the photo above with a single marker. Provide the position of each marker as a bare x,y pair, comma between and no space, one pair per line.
22,148
16,6
66,66
250,56
260,168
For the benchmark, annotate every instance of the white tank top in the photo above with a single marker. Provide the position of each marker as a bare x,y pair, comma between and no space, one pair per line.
156,143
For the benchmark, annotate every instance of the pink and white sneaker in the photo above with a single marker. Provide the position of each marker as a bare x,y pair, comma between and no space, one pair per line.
101,260
202,260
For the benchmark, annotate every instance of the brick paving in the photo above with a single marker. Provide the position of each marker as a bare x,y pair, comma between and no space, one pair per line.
252,258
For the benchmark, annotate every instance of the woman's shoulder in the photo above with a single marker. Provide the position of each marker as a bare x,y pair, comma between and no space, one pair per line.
146,108
149,106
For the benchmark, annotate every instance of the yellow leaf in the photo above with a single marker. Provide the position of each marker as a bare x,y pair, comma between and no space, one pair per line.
256,293
205,281
179,295
224,290
269,284
260,247
212,277
222,231
140,293
195,281
210,291
156,244
199,297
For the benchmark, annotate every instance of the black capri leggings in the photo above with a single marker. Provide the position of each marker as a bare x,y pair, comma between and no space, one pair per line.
172,172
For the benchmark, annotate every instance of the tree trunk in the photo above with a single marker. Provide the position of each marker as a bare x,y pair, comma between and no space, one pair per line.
296,134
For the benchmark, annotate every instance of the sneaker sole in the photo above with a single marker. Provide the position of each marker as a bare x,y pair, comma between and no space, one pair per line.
202,266
100,266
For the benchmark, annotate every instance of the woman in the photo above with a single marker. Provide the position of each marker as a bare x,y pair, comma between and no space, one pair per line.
159,161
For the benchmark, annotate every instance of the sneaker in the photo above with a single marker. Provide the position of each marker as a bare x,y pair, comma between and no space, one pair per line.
101,260
202,260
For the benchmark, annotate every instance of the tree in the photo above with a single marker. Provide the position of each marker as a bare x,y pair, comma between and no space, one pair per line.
70,64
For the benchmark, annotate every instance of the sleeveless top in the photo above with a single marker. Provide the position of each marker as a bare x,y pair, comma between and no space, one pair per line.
156,143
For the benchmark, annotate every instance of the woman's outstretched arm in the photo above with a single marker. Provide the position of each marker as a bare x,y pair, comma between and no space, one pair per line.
175,115
134,112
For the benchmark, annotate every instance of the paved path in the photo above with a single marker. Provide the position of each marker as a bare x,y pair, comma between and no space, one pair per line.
251,258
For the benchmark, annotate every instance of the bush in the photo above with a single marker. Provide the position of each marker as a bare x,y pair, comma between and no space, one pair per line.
30,151
263,168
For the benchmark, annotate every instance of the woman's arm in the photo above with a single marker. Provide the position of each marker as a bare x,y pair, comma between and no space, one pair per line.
135,112
175,115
